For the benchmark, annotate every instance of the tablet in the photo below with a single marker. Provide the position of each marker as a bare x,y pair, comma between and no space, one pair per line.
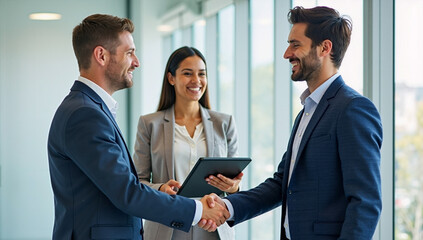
195,184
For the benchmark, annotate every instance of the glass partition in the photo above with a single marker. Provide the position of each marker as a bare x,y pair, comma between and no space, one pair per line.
225,58
408,121
262,106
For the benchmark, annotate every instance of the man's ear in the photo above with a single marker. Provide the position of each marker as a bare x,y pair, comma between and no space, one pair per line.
326,47
101,55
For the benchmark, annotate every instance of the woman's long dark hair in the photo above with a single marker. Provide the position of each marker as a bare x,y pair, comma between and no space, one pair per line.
167,97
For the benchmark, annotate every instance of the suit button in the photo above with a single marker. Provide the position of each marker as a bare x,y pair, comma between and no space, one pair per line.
290,192
177,224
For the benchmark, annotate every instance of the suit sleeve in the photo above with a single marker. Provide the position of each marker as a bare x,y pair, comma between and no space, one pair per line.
94,144
259,200
360,139
142,154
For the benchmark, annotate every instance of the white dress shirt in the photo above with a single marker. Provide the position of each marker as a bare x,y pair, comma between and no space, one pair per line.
111,103
187,150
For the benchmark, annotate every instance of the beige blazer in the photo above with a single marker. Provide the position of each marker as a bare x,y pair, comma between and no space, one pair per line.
154,158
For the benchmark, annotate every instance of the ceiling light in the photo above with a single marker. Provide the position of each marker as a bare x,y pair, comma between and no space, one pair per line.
201,22
45,16
165,28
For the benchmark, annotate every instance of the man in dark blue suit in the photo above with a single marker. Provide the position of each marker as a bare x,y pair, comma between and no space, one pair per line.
97,194
328,181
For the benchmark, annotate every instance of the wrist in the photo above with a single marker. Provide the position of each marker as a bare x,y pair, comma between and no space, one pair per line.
235,191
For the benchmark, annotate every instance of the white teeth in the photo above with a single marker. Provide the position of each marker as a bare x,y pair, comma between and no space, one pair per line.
294,64
194,89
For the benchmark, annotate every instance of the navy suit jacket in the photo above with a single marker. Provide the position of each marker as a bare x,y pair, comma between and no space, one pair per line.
97,194
334,191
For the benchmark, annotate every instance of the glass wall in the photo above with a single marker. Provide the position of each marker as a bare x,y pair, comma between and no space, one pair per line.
408,121
176,39
225,58
199,35
167,49
262,106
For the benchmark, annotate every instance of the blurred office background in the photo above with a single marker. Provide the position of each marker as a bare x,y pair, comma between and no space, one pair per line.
243,42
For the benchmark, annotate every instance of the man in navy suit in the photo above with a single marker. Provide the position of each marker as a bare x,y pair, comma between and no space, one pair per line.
96,189
328,181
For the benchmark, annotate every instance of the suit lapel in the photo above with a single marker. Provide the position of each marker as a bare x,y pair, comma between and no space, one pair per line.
318,113
79,86
291,141
169,135
208,130
287,166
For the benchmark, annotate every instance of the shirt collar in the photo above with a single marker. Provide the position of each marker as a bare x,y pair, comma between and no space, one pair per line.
111,103
317,94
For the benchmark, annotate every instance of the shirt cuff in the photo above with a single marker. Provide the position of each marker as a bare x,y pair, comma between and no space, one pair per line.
198,212
230,209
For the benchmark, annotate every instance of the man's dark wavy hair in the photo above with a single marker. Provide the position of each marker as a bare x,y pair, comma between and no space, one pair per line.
325,23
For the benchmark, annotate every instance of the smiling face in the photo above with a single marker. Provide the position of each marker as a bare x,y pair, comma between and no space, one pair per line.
190,80
306,64
122,63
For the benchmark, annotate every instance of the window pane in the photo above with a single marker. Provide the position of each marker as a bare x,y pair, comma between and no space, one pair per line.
186,39
176,39
199,35
167,49
408,121
226,48
262,107
352,65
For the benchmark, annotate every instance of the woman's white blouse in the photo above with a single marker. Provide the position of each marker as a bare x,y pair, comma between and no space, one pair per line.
187,150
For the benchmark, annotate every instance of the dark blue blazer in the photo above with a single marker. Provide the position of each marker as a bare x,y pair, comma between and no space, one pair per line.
97,194
335,188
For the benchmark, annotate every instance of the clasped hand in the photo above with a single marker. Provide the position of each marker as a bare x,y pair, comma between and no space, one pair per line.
214,214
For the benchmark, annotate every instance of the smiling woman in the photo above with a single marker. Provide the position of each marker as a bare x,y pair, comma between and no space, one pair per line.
170,141
189,80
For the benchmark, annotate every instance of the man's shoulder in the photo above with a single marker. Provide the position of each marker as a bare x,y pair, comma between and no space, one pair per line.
76,100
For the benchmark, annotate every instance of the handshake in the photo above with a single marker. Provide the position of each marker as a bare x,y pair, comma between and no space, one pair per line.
214,214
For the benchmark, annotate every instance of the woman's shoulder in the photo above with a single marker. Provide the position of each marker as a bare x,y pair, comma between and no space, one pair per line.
153,117
219,115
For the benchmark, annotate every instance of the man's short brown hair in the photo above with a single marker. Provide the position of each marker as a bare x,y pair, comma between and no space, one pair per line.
98,30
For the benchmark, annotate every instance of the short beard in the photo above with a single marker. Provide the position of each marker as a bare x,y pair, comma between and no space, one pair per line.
116,81
310,67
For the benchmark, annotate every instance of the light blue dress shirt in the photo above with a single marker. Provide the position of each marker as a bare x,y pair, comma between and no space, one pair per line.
310,102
